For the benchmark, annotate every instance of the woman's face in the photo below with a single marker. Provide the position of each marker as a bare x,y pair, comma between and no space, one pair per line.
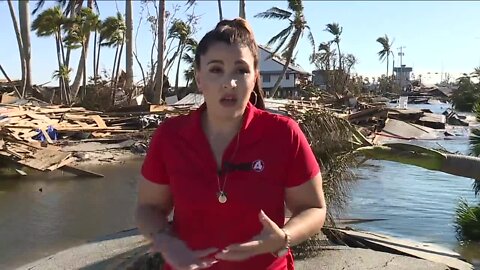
226,78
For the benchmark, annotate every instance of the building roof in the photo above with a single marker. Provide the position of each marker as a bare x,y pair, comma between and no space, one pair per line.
193,99
282,62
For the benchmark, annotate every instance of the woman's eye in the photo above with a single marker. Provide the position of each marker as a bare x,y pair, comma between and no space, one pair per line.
243,71
215,70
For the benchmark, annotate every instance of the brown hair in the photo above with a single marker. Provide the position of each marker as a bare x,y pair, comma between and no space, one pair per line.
236,31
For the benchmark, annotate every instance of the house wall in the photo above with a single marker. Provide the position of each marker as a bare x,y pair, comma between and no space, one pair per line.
270,71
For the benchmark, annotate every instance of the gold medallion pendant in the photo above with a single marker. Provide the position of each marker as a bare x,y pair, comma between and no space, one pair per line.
222,197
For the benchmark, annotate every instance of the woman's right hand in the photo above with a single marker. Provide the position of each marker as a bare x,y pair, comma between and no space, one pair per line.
176,253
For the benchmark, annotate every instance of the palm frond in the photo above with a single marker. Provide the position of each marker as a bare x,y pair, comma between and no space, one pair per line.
311,38
330,139
190,3
476,187
274,13
38,6
467,221
282,36
475,142
334,29
295,5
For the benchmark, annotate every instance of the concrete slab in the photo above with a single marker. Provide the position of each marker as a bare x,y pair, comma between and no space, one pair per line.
119,251
345,258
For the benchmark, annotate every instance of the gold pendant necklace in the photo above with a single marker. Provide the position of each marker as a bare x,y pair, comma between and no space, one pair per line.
222,197
221,194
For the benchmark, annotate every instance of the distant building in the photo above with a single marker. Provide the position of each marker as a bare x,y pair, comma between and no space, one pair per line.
271,68
320,78
402,76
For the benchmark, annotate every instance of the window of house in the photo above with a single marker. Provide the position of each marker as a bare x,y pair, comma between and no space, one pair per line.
287,76
266,78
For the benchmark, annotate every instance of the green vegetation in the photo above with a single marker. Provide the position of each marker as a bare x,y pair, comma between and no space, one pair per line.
468,93
467,222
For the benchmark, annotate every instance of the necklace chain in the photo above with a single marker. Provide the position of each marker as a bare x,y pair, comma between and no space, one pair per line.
222,195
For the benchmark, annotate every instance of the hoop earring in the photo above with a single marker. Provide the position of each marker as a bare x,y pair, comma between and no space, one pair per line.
256,98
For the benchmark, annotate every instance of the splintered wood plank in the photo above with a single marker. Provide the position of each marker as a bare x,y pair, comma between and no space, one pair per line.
47,137
15,113
61,110
81,124
80,172
97,134
66,161
39,117
99,121
70,116
89,128
44,158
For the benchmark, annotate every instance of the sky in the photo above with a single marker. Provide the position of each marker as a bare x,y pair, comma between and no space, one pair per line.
437,37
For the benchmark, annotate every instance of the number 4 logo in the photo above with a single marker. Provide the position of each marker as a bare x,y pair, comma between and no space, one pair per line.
258,165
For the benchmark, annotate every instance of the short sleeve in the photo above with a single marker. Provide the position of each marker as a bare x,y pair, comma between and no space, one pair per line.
153,168
303,164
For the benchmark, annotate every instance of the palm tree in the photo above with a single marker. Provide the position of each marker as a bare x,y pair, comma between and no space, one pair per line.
21,94
81,70
295,29
112,34
181,31
129,44
189,58
72,9
336,30
50,23
24,17
386,50
161,51
78,35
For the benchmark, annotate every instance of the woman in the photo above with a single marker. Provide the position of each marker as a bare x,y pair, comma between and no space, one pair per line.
229,169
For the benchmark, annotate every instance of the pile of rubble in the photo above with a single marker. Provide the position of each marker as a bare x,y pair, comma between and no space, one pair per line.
49,137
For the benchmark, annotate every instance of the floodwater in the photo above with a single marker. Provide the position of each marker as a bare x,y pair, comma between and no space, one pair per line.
43,214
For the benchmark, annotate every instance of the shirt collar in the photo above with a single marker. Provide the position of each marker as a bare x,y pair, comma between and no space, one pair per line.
193,128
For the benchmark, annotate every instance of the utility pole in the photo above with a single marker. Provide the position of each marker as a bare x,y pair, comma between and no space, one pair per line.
402,76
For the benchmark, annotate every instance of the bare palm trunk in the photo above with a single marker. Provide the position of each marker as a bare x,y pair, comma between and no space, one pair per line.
387,64
98,58
94,64
73,13
340,63
24,16
129,45
296,37
113,82
465,166
220,14
20,48
114,64
61,80
80,70
84,73
161,49
117,72
241,9
178,67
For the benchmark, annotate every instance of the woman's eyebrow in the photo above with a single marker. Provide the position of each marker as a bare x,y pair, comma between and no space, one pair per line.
215,62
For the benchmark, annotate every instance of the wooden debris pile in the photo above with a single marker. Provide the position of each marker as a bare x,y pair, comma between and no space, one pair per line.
34,136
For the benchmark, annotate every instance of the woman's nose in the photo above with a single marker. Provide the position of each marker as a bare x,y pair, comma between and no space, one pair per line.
230,84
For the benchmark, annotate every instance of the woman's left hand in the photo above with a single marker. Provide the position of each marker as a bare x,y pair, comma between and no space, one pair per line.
270,239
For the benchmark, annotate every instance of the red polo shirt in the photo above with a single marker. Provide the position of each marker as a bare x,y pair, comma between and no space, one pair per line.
272,154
